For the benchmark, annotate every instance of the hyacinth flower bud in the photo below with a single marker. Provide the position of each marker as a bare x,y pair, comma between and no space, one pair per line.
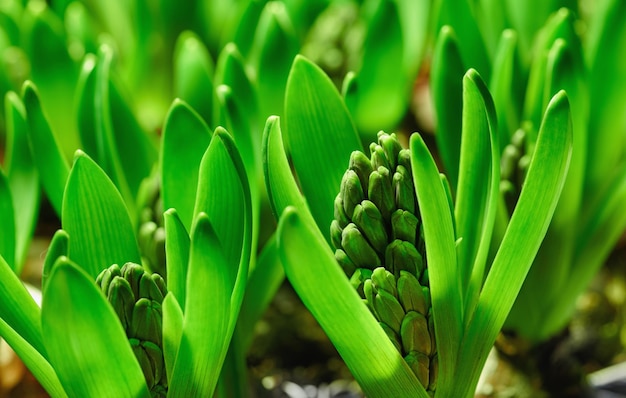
136,297
379,240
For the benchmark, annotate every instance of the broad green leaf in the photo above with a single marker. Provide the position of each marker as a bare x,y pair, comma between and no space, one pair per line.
446,296
528,225
239,127
185,139
34,361
264,281
479,184
324,289
7,215
193,74
274,47
52,70
59,246
51,163
382,87
224,196
95,218
461,16
607,90
82,331
22,176
231,71
242,33
281,185
447,91
205,338
320,136
176,254
505,86
172,331
131,152
85,110
18,309
415,22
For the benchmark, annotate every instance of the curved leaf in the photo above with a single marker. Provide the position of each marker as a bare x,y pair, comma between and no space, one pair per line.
447,90
185,139
59,246
205,338
51,164
22,175
7,214
82,331
320,136
528,225
445,290
323,287
193,74
274,47
96,219
479,184
176,254
172,331
18,309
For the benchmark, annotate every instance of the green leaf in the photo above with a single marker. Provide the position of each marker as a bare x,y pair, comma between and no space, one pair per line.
447,91
461,16
479,184
415,22
231,71
176,254
264,281
7,238
52,70
224,195
185,139
22,176
382,82
323,287
193,74
18,308
446,296
59,246
51,164
607,90
274,47
528,225
95,218
172,331
207,312
320,135
92,142
34,361
281,185
82,331
505,86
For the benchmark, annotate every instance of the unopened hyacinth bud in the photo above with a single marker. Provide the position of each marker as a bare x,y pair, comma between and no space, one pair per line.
379,242
136,297
514,164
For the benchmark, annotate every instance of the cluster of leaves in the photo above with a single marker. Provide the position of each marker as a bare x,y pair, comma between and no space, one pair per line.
95,79
526,61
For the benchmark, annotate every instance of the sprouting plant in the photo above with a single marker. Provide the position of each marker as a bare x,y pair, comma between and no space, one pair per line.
532,56
470,297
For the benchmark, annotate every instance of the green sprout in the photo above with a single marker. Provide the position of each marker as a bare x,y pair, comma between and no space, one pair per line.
470,298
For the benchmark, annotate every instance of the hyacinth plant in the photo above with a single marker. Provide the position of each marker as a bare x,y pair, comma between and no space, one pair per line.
106,327
527,59
465,298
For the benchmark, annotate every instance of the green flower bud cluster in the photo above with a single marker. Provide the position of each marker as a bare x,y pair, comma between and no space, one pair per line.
513,168
136,297
403,309
379,243
151,234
